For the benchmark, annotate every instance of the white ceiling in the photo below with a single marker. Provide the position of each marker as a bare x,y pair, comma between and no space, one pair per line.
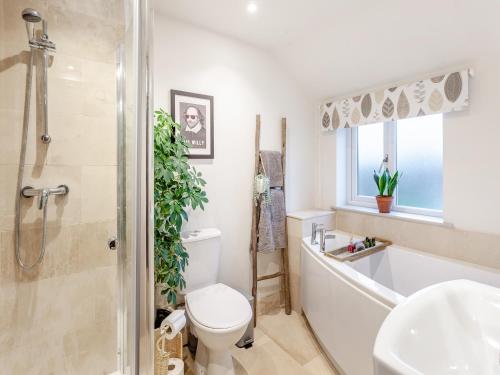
337,47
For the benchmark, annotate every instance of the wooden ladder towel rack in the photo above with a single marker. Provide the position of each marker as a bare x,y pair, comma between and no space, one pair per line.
284,273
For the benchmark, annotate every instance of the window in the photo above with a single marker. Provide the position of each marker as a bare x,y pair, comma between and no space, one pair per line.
412,146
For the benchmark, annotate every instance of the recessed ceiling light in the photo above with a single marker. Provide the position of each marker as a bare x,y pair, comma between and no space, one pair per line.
252,7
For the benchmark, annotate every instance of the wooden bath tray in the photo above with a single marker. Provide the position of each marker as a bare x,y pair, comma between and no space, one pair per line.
343,255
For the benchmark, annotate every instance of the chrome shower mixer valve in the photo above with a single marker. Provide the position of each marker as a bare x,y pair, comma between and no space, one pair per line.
43,193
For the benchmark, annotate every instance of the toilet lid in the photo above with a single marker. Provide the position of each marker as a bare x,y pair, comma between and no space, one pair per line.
218,306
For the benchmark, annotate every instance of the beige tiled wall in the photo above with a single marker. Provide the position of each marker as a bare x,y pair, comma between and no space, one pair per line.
61,317
474,247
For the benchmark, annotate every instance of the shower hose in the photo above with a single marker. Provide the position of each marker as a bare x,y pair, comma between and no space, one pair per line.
22,160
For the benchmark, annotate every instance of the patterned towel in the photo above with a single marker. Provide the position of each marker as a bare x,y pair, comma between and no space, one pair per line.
272,223
271,166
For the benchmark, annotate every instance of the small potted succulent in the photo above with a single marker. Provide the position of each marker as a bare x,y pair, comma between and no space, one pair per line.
386,184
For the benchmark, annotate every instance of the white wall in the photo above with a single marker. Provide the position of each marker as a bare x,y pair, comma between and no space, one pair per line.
470,155
244,81
471,159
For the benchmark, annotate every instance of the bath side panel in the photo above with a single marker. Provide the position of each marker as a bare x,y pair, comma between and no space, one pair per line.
345,319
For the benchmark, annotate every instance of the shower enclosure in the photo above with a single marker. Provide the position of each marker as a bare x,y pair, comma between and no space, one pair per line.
75,276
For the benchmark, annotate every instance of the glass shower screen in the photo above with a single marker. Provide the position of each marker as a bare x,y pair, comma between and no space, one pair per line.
84,304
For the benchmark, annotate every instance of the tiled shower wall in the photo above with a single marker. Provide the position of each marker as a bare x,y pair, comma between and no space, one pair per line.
61,317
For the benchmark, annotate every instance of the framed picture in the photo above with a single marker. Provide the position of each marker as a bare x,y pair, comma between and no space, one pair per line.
195,114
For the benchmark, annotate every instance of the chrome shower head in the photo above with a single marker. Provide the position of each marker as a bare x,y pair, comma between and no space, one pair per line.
31,15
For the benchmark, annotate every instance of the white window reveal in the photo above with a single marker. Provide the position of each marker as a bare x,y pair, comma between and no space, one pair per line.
413,146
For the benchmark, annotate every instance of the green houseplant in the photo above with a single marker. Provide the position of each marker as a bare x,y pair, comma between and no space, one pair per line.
386,184
177,186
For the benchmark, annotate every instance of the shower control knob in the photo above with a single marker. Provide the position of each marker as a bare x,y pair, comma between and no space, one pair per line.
113,243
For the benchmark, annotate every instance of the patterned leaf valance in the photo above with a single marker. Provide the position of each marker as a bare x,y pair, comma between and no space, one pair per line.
439,94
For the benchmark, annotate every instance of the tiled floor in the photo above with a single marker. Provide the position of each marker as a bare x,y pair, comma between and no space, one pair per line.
283,346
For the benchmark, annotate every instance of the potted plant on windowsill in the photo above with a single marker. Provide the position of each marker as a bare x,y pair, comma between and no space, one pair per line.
386,184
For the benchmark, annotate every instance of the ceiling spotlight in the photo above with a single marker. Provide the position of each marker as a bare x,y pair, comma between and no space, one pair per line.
252,7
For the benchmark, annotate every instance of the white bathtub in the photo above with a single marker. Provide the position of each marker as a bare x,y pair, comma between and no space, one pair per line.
345,303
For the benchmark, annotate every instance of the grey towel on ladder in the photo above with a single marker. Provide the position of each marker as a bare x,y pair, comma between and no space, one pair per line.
272,223
272,167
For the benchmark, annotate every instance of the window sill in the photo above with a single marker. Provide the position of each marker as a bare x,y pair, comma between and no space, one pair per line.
421,219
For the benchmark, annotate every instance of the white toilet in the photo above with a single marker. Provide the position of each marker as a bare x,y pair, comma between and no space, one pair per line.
218,314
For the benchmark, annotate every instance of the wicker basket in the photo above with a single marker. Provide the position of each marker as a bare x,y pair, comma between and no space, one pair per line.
165,349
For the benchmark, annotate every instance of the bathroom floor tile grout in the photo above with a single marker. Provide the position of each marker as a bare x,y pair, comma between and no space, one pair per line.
270,357
304,325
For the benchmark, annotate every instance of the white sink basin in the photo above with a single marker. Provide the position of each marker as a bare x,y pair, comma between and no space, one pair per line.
447,328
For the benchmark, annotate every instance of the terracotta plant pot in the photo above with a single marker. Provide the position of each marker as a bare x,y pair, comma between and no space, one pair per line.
384,203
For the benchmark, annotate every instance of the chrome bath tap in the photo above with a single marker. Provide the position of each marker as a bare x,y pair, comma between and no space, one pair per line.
323,236
314,232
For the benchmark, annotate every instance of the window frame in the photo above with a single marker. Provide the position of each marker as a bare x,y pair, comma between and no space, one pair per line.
390,149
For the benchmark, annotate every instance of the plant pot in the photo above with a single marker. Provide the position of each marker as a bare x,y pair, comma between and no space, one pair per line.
384,203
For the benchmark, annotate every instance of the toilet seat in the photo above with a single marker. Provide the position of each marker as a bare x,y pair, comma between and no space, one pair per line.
218,307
